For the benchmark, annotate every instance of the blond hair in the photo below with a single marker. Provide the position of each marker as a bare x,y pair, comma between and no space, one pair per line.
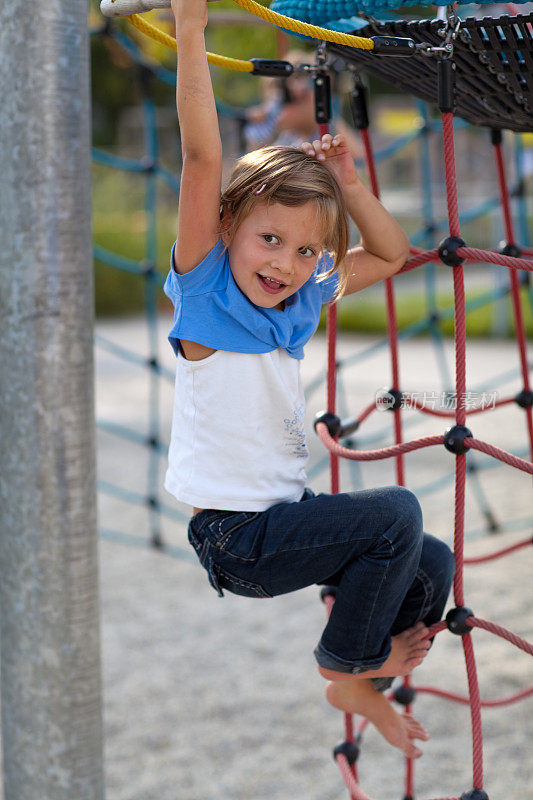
286,175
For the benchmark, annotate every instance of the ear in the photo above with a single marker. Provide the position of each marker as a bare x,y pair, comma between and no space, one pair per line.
225,225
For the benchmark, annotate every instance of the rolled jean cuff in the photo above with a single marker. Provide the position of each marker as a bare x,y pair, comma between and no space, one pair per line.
328,660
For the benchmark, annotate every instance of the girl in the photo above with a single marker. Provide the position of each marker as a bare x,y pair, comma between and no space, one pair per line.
249,272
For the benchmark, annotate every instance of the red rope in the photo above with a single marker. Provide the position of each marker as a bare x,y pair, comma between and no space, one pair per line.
515,290
491,257
472,255
420,405
492,627
475,713
451,183
331,329
392,327
458,698
418,258
373,455
491,450
499,553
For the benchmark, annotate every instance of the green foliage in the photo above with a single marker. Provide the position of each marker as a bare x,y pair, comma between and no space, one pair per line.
120,226
359,314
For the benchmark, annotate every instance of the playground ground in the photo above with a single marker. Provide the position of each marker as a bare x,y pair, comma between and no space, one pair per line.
219,699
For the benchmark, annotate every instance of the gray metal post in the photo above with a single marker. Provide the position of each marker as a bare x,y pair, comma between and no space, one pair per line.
50,640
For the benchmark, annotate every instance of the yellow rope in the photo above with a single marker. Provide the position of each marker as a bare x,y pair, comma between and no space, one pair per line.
164,38
304,27
264,13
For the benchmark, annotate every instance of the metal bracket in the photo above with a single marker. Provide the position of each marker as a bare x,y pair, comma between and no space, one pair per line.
448,32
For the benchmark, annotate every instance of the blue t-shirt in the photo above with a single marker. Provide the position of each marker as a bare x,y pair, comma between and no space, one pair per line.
210,309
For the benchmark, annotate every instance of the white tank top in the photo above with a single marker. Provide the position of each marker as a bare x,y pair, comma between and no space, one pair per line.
238,435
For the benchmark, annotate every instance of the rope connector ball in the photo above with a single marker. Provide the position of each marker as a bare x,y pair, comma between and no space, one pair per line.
347,749
397,399
524,398
474,794
508,249
404,695
456,620
331,421
448,251
454,439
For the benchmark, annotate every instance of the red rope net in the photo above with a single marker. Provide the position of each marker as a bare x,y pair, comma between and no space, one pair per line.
348,770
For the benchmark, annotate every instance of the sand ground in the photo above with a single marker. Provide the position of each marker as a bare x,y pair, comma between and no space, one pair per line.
219,699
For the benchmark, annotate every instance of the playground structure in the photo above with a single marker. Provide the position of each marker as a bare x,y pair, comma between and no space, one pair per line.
152,171
461,88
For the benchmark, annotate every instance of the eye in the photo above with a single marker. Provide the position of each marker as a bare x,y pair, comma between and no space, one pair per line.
268,237
307,252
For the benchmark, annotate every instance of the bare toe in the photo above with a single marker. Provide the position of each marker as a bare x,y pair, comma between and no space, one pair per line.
415,729
411,751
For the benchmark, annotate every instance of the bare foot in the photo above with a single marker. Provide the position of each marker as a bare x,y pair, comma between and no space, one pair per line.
360,697
408,650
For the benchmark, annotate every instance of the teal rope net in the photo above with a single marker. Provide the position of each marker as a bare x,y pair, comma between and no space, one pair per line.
153,174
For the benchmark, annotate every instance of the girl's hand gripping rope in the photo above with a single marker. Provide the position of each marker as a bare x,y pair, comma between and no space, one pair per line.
186,11
334,153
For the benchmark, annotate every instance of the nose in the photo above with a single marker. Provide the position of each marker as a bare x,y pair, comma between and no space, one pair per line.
284,265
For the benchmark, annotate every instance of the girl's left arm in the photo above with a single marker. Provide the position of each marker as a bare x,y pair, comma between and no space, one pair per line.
384,247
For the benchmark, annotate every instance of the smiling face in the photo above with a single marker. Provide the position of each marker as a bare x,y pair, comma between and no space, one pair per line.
274,251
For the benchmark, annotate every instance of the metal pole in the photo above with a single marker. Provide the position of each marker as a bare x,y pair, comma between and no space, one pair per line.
50,639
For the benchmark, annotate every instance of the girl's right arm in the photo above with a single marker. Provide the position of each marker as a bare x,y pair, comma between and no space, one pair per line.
199,202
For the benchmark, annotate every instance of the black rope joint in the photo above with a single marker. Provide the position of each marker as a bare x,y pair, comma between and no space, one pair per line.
349,426
331,421
404,695
397,46
454,439
348,749
153,363
474,794
456,620
322,84
359,107
434,317
496,136
507,249
524,398
328,591
152,442
448,250
271,68
152,502
392,399
446,85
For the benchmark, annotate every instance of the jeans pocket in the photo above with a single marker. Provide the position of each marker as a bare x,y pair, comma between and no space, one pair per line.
221,579
222,529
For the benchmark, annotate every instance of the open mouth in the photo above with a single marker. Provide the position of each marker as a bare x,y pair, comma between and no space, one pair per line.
270,285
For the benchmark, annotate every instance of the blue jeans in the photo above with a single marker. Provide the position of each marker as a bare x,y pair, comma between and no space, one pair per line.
369,544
